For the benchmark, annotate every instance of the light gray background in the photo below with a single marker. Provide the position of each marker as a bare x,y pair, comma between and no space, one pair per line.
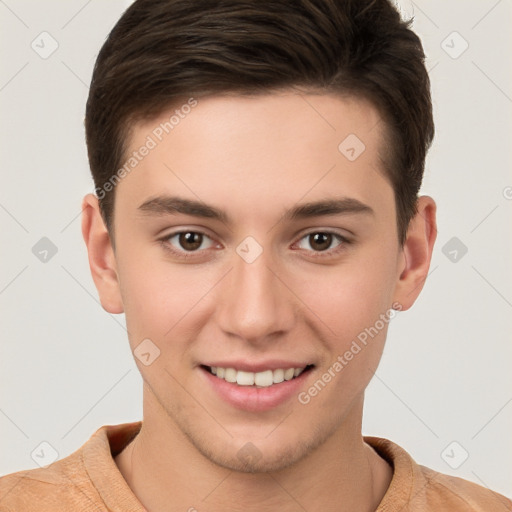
65,365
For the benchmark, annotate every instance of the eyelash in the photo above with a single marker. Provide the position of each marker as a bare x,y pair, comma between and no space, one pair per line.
165,241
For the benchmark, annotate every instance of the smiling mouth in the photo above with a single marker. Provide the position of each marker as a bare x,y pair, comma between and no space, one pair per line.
261,379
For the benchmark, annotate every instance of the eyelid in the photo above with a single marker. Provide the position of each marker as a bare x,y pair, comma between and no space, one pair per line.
343,239
187,229
330,231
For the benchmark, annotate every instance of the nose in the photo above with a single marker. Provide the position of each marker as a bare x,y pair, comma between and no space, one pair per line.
253,302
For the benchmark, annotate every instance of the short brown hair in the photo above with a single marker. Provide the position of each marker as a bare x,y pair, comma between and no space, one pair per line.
161,51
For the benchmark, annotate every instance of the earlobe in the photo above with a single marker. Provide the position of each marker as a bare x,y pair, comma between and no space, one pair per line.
417,253
101,255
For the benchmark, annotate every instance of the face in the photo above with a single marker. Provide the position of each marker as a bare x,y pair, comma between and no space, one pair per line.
256,241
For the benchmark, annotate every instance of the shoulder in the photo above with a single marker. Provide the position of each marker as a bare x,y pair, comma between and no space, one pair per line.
85,480
62,483
454,493
416,488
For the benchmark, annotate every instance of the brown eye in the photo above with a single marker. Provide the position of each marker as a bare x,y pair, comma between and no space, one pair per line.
190,241
320,241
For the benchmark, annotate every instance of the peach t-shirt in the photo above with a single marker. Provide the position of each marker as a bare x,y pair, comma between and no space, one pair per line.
89,480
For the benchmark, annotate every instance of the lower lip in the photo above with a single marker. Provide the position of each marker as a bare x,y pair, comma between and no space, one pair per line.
252,398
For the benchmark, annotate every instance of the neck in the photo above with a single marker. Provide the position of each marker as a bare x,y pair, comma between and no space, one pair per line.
167,473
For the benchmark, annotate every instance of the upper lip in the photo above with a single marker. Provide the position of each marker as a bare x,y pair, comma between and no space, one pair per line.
256,367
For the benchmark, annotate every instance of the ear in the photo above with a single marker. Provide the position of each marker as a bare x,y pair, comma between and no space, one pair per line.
101,255
414,260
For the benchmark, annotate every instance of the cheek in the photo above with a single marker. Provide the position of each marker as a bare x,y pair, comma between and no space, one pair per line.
159,297
352,313
355,304
350,297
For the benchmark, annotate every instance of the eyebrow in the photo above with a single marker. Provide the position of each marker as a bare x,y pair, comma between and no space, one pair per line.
172,205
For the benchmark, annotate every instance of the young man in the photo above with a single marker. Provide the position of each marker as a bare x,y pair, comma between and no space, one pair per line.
257,168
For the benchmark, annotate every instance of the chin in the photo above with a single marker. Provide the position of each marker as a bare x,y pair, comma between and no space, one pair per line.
265,455
252,460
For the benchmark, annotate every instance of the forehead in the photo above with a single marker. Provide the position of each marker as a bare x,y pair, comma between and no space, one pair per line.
246,151
283,118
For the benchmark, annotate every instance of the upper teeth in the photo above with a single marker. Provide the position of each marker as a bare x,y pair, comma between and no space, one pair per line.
264,379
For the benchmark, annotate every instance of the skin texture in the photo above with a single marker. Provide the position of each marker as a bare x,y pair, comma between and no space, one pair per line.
255,158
